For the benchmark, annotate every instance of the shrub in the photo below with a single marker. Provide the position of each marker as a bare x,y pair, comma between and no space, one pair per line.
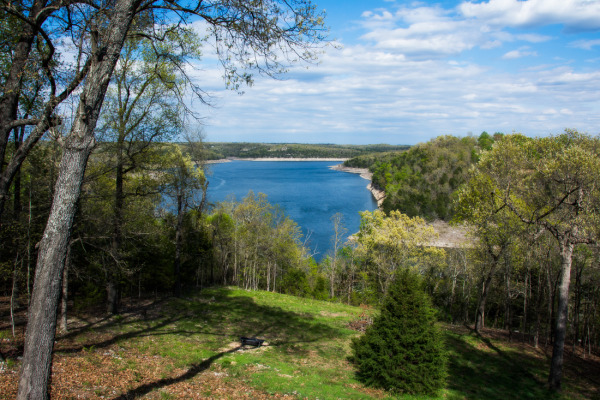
403,351
294,282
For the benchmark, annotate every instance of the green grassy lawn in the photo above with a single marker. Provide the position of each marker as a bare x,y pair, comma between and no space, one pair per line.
189,348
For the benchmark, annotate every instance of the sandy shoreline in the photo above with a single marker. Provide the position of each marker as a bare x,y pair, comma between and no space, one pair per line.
364,173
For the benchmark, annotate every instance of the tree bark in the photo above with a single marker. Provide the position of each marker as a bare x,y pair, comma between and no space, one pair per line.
41,326
480,314
560,331
65,293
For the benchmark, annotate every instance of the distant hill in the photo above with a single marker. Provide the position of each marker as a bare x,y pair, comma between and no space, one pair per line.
421,181
220,150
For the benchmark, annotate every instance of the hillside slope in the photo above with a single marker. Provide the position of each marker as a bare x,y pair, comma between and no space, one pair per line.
189,349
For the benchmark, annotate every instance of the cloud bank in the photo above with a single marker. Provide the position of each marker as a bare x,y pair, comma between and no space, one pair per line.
418,71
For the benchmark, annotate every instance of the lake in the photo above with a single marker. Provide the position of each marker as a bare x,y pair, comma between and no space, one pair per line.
308,191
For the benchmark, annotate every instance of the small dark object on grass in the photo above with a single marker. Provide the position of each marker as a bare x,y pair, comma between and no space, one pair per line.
251,341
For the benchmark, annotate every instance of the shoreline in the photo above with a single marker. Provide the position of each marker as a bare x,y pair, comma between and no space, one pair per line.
364,173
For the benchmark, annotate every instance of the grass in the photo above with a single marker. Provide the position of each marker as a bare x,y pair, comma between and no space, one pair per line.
189,348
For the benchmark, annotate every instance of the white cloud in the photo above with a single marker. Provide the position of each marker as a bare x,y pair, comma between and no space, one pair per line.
575,15
424,31
520,53
533,38
586,44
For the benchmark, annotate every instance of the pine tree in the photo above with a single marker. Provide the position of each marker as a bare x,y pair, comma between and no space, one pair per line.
403,351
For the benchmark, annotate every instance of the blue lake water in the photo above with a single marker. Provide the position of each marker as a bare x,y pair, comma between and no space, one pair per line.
309,192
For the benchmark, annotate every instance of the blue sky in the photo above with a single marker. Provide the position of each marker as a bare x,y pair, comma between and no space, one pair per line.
406,71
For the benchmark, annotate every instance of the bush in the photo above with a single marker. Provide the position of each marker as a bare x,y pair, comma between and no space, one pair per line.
403,350
294,282
320,292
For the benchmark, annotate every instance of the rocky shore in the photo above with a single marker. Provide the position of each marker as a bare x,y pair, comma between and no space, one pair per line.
364,173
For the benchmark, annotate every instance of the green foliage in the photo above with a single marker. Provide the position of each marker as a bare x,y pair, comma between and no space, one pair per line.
320,288
294,282
387,244
421,181
403,351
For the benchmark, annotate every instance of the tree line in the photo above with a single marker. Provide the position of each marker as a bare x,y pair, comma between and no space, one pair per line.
215,151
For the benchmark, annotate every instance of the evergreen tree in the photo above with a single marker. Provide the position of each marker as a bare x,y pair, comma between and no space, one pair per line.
403,350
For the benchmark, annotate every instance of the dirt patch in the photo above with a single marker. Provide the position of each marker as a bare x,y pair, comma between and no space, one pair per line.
361,323
332,314
450,236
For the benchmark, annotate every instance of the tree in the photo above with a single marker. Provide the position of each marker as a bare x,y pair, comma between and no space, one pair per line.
403,351
31,30
183,183
250,35
41,325
142,107
551,184
392,243
339,232
494,229
222,227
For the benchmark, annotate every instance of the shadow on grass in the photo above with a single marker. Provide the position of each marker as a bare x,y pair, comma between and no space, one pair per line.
215,312
194,370
228,314
223,315
475,372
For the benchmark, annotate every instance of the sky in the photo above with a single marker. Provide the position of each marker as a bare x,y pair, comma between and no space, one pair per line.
403,72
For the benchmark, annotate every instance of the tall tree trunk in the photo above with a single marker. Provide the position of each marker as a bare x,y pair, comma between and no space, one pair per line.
560,331
507,305
65,293
14,296
577,306
480,313
41,326
538,311
526,294
17,179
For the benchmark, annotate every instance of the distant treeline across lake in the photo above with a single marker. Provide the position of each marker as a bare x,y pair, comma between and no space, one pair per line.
309,192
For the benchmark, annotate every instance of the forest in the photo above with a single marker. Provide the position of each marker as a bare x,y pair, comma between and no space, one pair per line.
103,192
216,151
421,180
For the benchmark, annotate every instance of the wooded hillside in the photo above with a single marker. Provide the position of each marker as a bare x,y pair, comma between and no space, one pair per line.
421,180
293,150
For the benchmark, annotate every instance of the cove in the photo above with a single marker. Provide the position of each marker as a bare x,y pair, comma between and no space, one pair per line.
308,191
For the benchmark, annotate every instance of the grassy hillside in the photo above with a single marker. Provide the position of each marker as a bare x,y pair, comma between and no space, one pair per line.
189,348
